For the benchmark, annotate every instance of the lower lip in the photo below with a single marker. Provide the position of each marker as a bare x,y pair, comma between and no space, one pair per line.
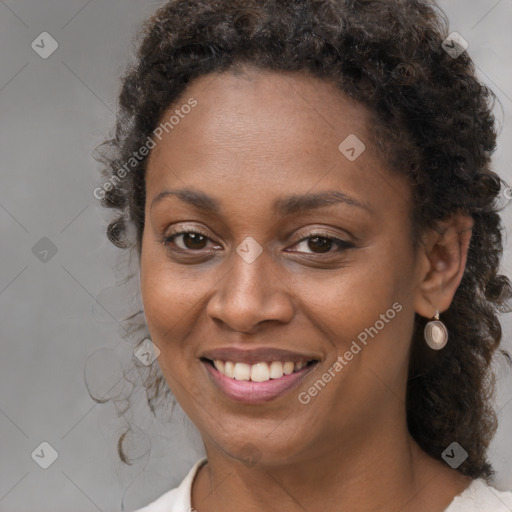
249,392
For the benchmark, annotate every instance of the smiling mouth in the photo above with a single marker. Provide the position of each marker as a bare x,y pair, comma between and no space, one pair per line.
259,372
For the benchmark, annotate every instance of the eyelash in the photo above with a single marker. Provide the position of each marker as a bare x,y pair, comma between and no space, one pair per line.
342,244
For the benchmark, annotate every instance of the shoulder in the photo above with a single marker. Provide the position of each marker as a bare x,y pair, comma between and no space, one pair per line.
481,497
177,499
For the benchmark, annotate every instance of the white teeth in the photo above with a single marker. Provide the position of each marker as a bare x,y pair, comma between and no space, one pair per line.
242,371
276,370
219,365
288,368
259,372
229,369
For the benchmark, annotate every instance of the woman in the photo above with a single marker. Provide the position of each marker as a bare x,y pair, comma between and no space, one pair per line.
309,189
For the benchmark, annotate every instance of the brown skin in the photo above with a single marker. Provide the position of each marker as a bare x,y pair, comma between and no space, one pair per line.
250,140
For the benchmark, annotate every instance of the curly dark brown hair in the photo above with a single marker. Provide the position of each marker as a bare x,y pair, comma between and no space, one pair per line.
433,123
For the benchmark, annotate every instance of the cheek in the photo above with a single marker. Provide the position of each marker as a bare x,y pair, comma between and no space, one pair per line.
369,302
173,298
170,298
375,279
165,288
386,314
163,295
167,307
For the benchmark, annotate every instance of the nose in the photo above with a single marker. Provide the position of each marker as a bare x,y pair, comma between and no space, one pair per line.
250,294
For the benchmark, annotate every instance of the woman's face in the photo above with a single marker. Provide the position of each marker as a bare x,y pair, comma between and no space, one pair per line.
249,166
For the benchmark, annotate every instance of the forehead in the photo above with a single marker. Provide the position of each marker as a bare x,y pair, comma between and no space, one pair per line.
260,127
243,108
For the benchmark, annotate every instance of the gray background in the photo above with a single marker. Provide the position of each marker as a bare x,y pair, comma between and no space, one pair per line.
58,320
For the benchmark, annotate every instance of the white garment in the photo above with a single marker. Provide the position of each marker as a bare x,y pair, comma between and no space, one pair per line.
478,497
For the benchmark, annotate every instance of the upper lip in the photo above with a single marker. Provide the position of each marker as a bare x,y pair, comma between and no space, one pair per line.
257,355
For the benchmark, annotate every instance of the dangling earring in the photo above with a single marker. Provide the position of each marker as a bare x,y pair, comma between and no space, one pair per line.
436,333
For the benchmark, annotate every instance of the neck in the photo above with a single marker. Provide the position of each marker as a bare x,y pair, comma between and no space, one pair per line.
382,470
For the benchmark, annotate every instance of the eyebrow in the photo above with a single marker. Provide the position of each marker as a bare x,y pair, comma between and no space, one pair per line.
284,206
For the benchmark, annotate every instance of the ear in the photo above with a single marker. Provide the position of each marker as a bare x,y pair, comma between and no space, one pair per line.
441,264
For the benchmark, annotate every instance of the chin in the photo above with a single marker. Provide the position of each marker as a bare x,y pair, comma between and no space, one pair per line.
257,447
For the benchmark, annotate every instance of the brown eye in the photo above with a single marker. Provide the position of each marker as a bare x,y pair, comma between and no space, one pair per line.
189,240
322,243
193,240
